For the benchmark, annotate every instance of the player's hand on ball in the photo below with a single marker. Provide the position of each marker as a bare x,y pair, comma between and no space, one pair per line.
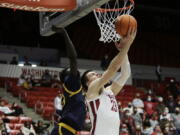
128,40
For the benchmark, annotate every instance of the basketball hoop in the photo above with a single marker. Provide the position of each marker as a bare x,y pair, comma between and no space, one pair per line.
106,16
39,5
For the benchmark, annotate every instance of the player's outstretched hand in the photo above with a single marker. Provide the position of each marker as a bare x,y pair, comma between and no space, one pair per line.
127,40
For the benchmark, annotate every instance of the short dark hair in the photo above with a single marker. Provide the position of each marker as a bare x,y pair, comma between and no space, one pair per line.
146,123
31,133
84,79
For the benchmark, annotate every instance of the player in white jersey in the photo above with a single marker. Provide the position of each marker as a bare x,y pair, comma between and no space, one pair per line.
101,101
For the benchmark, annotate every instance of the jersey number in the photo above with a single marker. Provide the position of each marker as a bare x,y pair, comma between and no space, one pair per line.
114,107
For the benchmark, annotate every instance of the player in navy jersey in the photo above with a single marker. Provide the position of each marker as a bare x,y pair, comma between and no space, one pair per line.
74,110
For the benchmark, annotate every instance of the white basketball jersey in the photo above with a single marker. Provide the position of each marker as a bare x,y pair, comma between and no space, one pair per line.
104,114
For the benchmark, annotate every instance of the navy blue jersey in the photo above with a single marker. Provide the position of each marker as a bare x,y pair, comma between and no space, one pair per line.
74,111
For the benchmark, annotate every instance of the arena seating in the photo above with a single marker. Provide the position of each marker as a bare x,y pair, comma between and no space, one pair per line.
15,122
127,94
41,98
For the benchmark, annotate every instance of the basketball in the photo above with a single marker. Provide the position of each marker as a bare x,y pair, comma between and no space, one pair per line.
123,23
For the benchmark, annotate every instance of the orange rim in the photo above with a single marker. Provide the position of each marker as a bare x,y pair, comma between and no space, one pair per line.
115,10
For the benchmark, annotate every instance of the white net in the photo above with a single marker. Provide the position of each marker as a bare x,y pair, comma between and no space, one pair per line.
106,17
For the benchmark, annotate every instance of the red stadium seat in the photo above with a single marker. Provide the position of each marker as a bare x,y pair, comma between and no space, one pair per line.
48,113
23,119
18,126
5,101
16,90
125,103
13,119
38,107
31,101
129,98
48,104
1,113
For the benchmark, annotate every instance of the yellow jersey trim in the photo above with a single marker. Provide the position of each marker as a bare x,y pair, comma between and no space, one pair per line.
70,92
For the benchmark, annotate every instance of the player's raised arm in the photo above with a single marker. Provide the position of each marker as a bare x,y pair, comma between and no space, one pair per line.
115,64
71,52
121,79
